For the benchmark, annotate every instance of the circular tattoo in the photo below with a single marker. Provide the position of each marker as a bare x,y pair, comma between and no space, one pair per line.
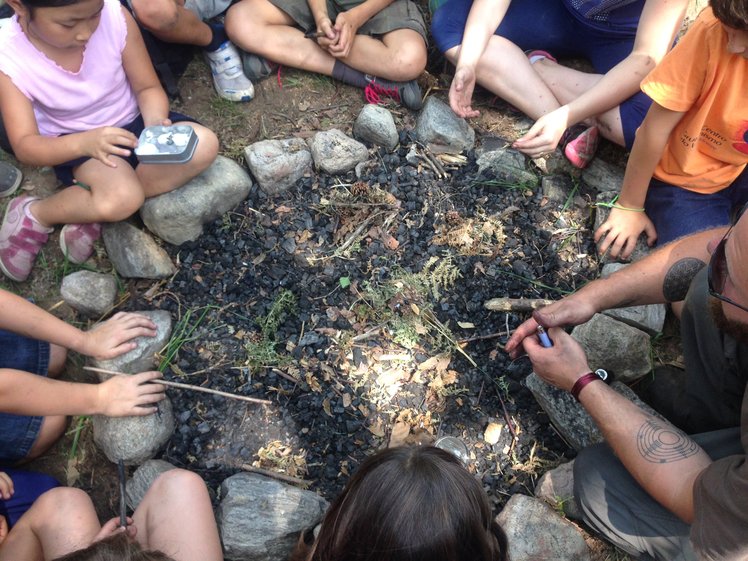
679,277
661,444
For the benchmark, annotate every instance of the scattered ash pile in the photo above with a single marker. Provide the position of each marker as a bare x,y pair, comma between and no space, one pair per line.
356,306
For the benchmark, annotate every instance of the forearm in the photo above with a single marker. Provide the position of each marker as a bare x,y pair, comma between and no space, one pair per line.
660,457
153,104
663,276
21,316
484,18
38,150
23,393
651,139
616,86
318,9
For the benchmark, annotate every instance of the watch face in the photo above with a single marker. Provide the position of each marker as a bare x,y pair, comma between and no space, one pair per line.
602,374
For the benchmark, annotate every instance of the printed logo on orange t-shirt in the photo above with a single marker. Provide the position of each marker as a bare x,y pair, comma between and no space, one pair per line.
742,144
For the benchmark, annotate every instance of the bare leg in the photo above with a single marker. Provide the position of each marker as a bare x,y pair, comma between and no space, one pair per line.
51,430
117,193
57,357
176,517
567,84
505,71
171,22
259,27
60,521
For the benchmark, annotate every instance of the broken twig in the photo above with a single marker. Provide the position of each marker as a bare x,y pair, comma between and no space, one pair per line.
276,475
516,304
186,386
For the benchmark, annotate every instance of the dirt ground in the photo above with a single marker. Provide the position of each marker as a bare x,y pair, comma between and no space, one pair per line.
291,103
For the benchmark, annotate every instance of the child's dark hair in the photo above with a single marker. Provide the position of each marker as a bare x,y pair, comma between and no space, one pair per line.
733,13
409,504
115,548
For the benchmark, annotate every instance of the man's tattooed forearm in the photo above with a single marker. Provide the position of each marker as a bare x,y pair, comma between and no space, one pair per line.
679,277
661,443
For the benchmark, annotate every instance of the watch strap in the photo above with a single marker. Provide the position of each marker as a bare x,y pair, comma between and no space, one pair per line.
581,382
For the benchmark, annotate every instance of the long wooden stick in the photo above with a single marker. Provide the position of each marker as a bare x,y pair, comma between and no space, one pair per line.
277,475
516,304
186,386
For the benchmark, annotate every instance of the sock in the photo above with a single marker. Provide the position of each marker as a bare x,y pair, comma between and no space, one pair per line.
348,75
536,58
219,37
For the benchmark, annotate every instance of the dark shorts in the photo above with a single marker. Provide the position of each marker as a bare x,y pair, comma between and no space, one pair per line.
677,212
64,172
28,486
19,432
548,25
401,14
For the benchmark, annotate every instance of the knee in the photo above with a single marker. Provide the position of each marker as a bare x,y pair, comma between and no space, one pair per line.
119,206
57,357
177,483
243,23
156,16
590,469
63,500
50,432
207,149
409,62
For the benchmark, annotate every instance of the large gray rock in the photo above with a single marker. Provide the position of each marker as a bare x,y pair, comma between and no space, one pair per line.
137,486
649,318
508,167
568,416
603,176
622,350
556,487
134,253
134,439
334,152
260,519
601,215
536,532
557,188
90,293
375,125
278,164
178,216
143,356
441,130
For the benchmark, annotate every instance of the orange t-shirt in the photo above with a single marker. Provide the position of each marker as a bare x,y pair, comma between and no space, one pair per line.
708,148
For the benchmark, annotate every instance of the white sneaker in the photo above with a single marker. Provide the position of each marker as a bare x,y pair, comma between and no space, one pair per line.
228,76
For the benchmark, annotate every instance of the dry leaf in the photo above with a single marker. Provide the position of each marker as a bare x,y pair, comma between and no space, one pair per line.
346,400
466,324
376,428
259,259
416,310
283,209
492,434
400,432
71,473
326,406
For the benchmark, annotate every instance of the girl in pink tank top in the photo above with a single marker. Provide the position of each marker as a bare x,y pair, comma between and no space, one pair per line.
76,89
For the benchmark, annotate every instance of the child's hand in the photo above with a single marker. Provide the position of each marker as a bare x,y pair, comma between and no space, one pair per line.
544,135
112,527
621,231
129,395
104,142
346,26
461,92
115,336
330,34
6,486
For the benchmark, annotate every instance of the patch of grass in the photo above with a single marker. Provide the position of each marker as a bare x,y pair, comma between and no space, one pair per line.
80,424
261,351
183,332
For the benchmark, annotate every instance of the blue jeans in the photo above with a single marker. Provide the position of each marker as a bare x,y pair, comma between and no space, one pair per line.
677,212
549,25
28,487
19,432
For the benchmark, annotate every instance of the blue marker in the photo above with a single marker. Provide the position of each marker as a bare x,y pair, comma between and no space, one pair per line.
543,337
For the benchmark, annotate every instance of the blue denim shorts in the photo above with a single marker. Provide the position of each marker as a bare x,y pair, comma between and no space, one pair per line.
677,212
19,432
549,25
28,487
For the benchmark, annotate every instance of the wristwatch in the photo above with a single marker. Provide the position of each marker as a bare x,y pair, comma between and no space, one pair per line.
582,381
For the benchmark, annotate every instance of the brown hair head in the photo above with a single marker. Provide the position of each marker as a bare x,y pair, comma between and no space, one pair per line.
115,548
410,504
733,13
